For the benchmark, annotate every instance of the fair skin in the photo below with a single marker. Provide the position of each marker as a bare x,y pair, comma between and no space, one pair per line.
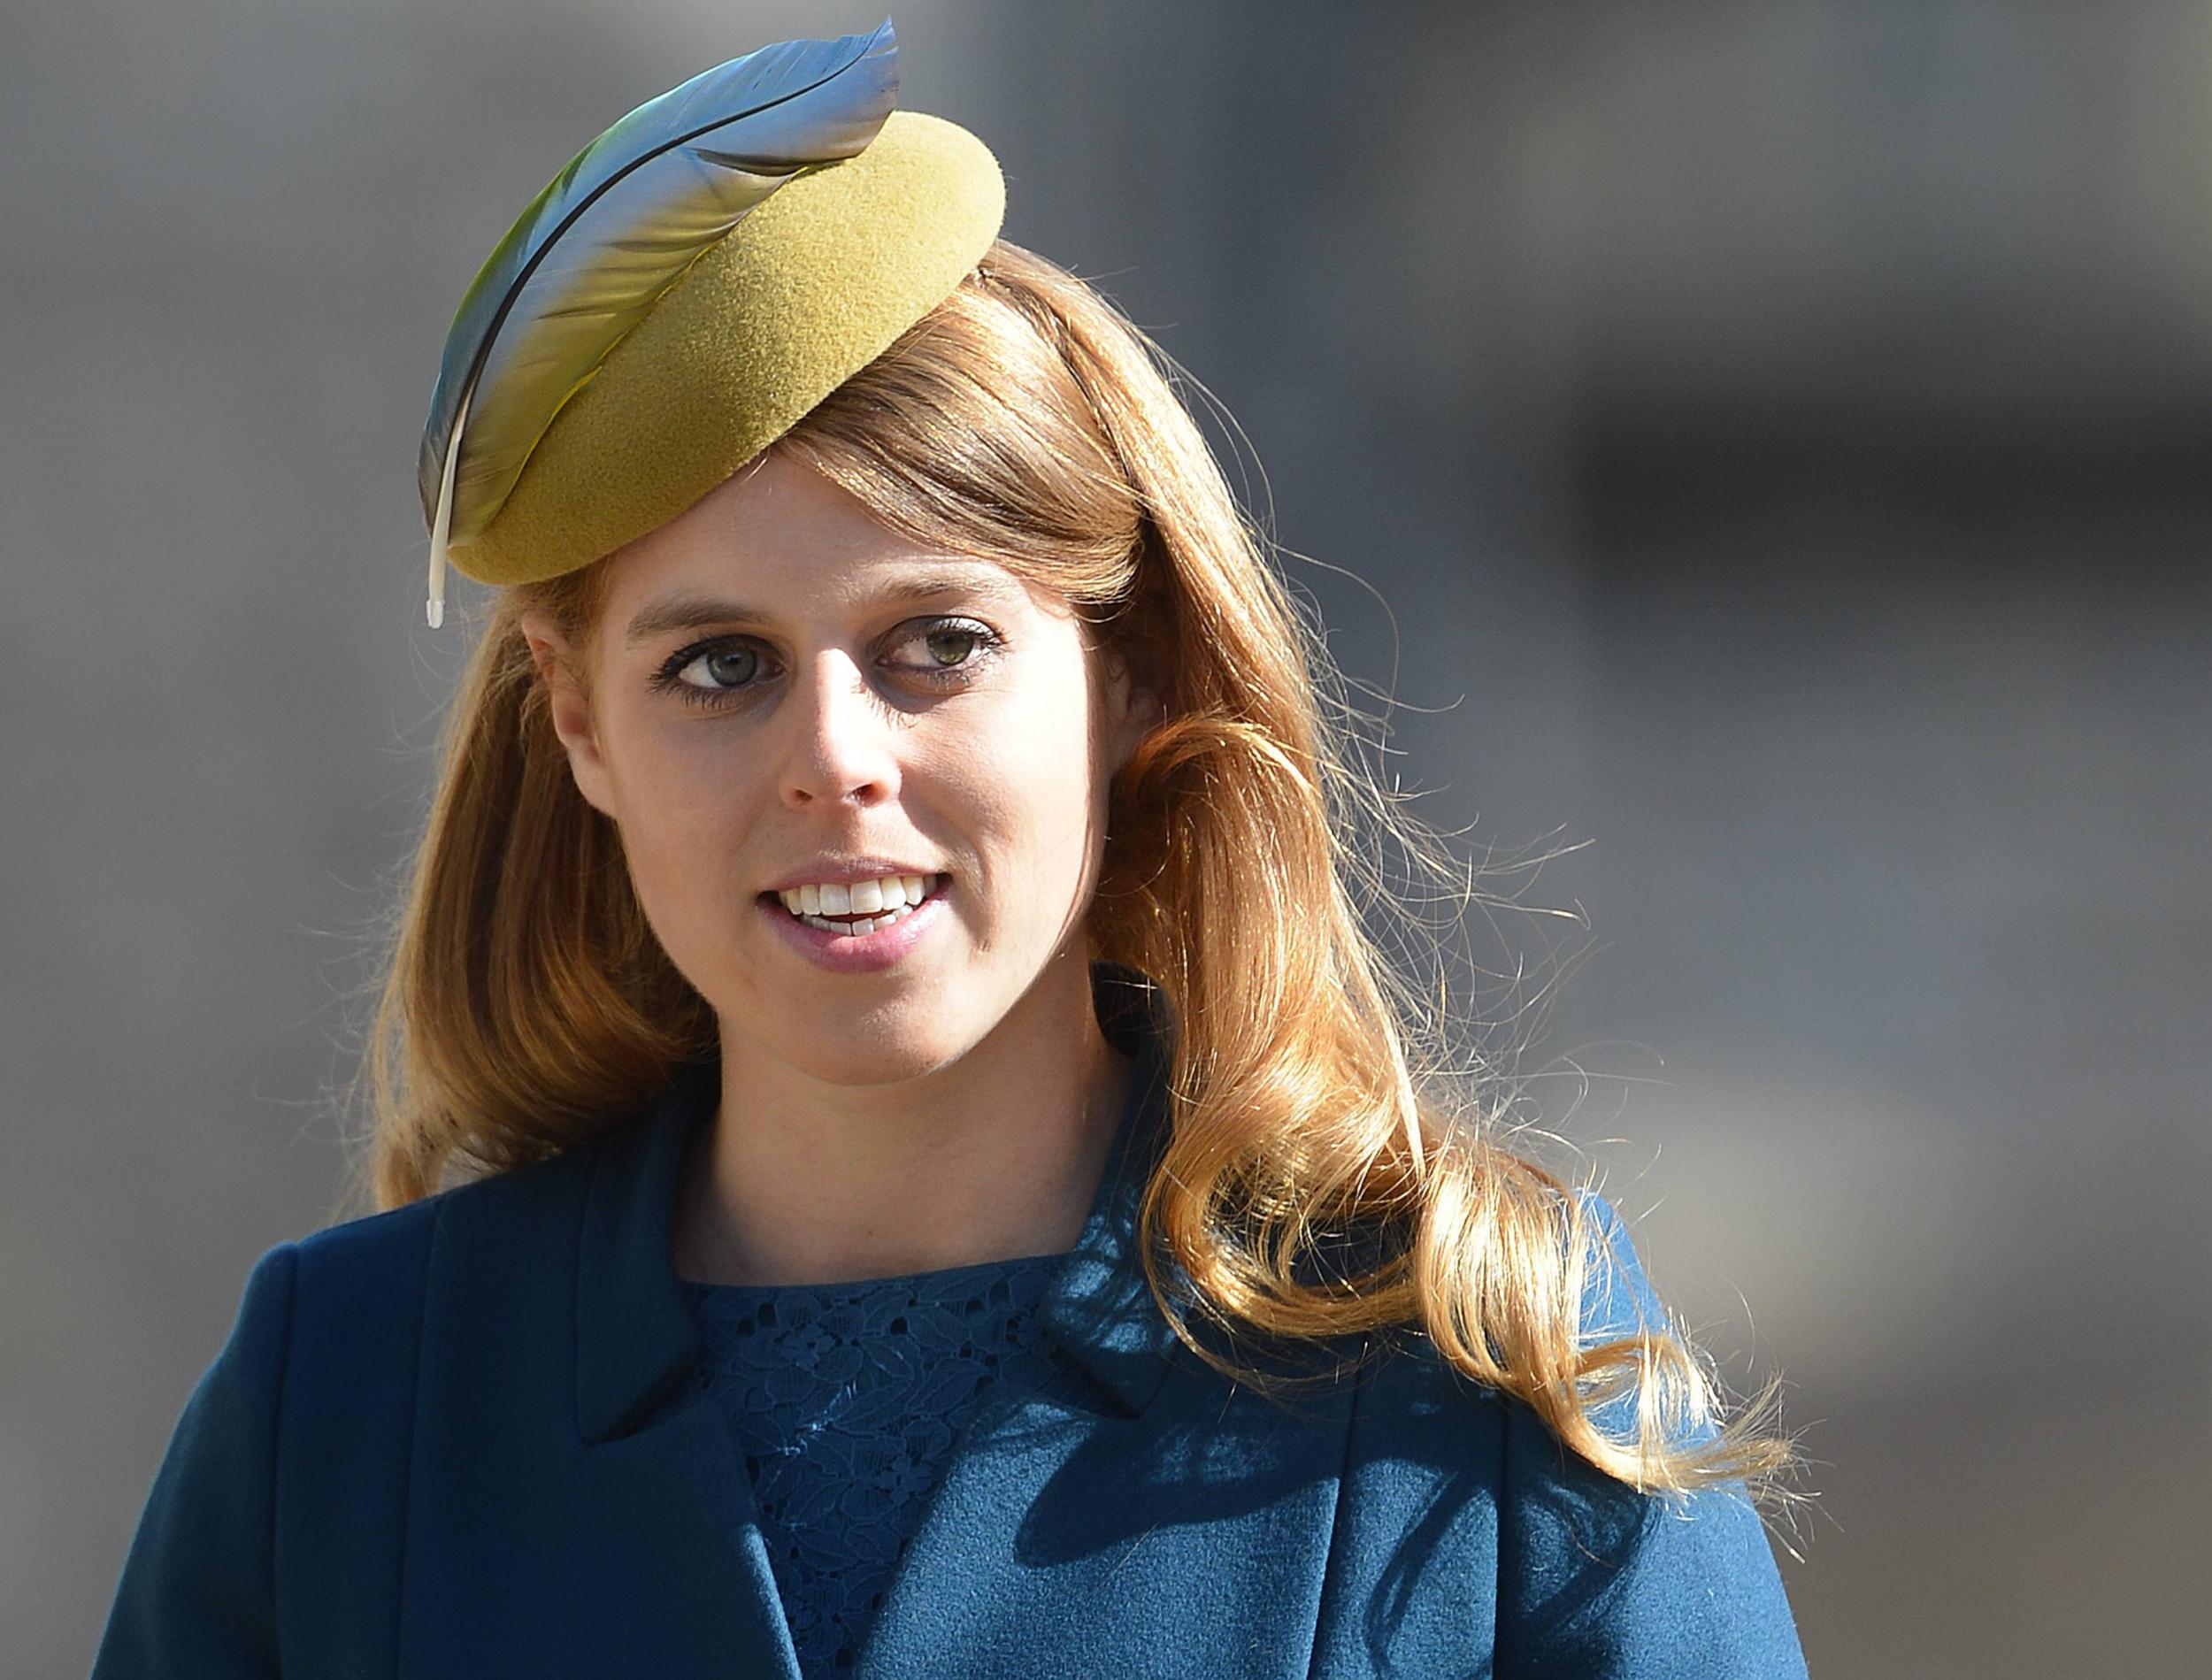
781,689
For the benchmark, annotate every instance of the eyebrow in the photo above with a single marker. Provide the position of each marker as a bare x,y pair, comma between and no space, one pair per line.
689,610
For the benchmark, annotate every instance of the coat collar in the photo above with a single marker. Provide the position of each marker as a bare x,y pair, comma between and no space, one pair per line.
638,1344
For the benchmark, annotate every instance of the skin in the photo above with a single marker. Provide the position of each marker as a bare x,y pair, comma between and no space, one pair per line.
958,1106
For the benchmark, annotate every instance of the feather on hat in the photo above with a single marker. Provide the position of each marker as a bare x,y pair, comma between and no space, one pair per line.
654,319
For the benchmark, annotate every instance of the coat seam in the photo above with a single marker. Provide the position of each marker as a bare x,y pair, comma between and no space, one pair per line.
1330,1558
414,1442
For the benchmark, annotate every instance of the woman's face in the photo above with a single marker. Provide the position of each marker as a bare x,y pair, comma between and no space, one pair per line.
790,699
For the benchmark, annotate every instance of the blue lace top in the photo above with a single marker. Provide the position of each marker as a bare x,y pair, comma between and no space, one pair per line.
845,1400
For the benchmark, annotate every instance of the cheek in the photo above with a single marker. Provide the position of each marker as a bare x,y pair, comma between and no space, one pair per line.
683,814
1032,790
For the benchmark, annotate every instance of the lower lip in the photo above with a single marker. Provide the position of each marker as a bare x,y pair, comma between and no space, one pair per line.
856,953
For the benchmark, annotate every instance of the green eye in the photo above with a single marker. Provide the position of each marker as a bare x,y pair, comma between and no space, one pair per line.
951,647
955,651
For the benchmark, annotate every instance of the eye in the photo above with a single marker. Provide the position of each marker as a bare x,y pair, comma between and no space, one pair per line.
951,651
705,673
726,667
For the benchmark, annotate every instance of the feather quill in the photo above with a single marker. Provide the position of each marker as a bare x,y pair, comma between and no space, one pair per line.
608,237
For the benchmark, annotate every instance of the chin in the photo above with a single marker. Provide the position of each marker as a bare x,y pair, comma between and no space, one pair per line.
883,1047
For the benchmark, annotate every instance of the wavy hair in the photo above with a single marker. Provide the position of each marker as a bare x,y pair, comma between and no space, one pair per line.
526,1003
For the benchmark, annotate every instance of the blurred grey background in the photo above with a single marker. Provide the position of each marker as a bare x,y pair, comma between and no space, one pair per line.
1779,433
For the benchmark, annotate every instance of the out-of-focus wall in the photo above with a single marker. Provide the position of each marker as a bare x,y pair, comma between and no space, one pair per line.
1771,443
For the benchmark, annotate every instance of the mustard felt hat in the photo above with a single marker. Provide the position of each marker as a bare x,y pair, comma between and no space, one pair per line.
695,282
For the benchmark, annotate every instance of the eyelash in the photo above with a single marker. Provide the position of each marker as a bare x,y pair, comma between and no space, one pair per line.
669,675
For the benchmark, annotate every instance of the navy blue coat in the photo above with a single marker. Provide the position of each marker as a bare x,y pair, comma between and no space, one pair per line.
464,1438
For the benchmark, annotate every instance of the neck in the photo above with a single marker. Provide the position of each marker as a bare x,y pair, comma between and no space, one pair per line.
993,1156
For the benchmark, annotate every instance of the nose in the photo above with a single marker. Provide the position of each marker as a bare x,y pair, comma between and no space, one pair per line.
841,745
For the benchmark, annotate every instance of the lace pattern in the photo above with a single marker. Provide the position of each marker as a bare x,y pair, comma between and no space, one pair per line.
844,1400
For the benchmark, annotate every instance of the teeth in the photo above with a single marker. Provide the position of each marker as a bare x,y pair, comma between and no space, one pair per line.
889,893
865,925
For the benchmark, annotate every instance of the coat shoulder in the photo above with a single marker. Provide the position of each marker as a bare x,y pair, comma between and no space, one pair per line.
360,1286
1477,1529
368,1245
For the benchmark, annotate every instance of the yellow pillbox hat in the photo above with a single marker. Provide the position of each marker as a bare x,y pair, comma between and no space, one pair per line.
693,282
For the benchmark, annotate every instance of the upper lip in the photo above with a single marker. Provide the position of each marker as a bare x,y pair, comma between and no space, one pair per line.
846,870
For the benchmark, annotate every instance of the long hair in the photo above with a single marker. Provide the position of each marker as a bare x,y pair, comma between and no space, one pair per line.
527,1003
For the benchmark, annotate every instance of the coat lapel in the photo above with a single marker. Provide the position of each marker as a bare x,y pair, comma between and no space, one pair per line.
658,1453
612,1531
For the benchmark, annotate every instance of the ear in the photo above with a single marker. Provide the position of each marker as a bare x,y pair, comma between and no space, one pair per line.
1134,702
558,667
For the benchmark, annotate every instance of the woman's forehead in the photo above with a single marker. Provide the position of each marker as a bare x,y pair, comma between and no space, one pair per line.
779,542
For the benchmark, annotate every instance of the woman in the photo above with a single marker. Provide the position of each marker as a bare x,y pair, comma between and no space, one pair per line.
895,1154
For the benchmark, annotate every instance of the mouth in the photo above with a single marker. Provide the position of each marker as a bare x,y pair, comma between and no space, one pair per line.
856,909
